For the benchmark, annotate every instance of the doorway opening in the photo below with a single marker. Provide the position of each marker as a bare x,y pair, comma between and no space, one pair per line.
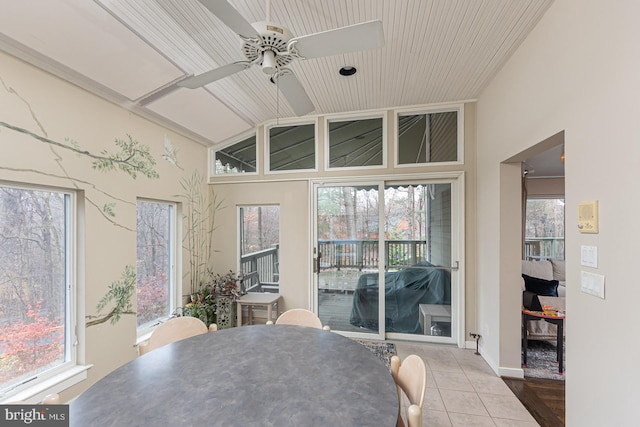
532,183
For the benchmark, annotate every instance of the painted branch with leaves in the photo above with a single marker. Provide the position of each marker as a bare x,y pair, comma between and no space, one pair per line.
119,292
133,157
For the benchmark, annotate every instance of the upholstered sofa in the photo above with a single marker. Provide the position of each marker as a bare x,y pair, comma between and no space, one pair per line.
547,271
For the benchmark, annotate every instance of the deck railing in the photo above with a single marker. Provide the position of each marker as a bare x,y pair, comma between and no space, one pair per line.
260,270
363,254
544,248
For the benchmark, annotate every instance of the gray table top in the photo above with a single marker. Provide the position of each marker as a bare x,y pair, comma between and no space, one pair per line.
263,375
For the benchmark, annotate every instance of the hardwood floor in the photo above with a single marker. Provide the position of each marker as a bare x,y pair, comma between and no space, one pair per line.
544,399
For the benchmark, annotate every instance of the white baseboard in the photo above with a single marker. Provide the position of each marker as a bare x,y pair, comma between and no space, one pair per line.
498,370
511,372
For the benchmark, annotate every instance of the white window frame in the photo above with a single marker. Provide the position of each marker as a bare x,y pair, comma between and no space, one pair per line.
459,108
240,230
351,118
267,145
560,197
175,285
70,372
235,140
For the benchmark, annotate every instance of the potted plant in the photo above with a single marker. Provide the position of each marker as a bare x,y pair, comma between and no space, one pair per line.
226,289
215,301
202,306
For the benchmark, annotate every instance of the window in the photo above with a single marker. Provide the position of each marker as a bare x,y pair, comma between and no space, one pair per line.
356,143
156,289
260,247
237,158
292,148
544,229
36,286
427,138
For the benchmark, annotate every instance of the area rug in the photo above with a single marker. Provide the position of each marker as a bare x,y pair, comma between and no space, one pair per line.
541,361
383,350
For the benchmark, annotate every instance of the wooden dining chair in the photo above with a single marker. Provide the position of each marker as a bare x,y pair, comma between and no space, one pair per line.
300,317
175,329
51,399
410,376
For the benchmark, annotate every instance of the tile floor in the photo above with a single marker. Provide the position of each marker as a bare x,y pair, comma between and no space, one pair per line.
463,391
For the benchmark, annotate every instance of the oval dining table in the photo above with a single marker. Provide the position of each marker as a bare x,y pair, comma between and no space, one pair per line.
262,375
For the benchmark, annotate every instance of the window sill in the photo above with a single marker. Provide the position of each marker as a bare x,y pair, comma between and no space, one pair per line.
55,384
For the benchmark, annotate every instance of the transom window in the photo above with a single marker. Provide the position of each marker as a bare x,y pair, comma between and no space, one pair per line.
237,158
427,137
356,143
292,148
421,136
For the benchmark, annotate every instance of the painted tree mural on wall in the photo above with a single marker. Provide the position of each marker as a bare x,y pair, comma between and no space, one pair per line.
118,298
200,217
32,246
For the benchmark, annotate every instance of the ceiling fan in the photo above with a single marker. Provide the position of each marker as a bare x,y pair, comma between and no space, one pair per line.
273,47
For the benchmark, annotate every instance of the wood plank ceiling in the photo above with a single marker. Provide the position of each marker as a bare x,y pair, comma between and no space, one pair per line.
133,52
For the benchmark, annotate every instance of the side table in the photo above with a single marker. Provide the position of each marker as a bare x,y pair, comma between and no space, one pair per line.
430,313
528,315
258,299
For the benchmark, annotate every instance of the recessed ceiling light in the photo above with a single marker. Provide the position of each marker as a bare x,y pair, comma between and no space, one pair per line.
347,70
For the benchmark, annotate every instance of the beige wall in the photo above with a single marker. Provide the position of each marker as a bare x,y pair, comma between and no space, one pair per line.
295,258
36,102
545,187
576,72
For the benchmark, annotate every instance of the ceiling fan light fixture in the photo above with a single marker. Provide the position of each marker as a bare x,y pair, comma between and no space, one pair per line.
347,70
273,47
269,62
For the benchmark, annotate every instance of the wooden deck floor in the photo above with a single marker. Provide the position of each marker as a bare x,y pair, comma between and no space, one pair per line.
334,309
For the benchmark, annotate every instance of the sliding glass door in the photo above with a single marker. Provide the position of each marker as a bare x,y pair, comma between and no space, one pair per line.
347,257
386,259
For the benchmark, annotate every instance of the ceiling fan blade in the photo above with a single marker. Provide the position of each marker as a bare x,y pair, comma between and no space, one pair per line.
352,38
231,17
203,79
292,90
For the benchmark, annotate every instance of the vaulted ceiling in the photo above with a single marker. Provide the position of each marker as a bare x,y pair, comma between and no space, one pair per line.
136,52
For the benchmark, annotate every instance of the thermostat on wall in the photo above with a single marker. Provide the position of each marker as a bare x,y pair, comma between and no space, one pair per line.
588,217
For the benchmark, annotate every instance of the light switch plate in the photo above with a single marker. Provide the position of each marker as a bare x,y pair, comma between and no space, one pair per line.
592,284
589,256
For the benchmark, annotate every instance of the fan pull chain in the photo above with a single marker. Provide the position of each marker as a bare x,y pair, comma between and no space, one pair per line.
277,99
